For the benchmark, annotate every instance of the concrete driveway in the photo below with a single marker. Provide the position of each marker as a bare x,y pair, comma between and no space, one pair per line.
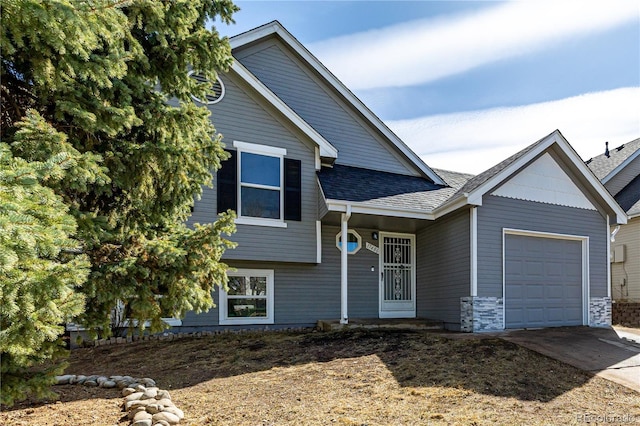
611,353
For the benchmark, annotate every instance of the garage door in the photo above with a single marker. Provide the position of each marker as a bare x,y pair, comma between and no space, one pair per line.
543,282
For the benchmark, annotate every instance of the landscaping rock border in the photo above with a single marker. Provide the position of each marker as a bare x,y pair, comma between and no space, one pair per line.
144,403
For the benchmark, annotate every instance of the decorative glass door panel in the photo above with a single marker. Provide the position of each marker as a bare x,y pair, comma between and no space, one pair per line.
397,277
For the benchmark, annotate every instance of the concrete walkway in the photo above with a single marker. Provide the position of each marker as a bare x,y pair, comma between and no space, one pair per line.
611,353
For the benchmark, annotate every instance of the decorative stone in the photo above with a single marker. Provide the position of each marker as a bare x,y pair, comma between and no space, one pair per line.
64,380
80,379
162,423
163,394
174,410
148,382
90,383
134,411
170,418
144,422
139,403
128,391
154,408
141,415
108,384
151,393
140,388
133,396
101,380
165,402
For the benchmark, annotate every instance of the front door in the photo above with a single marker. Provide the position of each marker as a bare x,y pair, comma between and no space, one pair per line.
397,276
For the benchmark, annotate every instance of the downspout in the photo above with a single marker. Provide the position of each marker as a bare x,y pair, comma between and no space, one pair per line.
612,239
344,252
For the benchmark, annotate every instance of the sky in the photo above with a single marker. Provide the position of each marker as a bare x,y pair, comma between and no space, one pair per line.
466,84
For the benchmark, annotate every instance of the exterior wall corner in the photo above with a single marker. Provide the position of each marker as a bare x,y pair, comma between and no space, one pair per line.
600,312
481,314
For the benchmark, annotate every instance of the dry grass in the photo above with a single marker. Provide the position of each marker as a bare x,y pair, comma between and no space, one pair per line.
343,378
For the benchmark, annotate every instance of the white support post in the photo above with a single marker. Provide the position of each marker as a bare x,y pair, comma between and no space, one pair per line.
344,253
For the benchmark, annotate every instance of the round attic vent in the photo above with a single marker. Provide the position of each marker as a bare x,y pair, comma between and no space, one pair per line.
216,92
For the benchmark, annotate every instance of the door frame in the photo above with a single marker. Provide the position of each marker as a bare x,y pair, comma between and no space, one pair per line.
586,287
396,314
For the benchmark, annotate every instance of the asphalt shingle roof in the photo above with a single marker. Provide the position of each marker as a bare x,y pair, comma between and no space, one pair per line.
602,165
384,189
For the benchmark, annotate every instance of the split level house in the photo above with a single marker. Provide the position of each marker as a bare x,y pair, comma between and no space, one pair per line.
619,170
338,219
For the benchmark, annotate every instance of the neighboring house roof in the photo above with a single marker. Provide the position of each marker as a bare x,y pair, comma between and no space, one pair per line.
274,28
473,190
372,188
629,198
607,167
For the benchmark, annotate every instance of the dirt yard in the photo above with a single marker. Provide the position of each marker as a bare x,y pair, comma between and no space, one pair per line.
340,378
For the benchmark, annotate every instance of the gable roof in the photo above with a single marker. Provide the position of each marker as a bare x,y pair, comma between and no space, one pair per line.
473,190
274,28
606,168
326,149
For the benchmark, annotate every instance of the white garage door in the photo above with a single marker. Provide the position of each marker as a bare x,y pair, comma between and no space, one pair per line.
543,282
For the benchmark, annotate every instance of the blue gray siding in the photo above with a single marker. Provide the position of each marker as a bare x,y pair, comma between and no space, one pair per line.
303,92
443,272
497,213
305,293
239,117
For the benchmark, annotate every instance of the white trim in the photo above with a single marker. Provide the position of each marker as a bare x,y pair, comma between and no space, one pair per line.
475,196
318,162
362,208
349,231
269,275
276,28
260,221
586,290
621,166
609,237
474,250
266,151
326,149
255,148
318,241
218,99
344,270
396,314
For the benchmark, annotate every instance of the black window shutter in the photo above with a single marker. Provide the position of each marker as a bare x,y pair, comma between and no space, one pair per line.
292,189
228,184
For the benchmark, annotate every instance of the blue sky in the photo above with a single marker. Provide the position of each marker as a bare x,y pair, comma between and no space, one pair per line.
467,83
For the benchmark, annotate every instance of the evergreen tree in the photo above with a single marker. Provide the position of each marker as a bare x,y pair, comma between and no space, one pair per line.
90,82
39,266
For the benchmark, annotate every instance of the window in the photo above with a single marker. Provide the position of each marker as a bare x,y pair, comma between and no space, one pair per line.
261,185
354,241
260,182
249,299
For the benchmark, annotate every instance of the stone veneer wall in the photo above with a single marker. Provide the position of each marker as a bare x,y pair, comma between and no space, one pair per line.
478,314
600,312
626,313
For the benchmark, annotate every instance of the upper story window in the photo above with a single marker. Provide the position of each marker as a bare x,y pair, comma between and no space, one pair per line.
260,192
261,185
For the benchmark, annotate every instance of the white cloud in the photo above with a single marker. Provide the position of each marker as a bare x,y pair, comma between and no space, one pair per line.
476,140
425,50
